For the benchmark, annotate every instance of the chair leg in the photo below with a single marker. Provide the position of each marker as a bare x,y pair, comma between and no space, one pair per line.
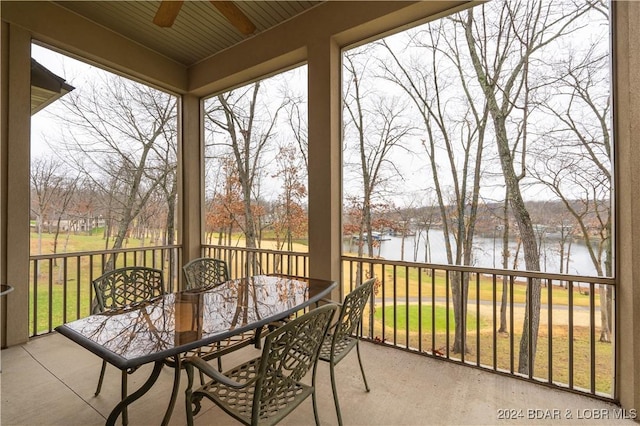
257,336
219,359
187,395
219,367
123,391
187,401
335,392
315,407
361,368
102,370
313,395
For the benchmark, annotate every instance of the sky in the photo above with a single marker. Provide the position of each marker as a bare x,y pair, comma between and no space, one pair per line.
65,67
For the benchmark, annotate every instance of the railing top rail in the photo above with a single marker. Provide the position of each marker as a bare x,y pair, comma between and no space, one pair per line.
488,271
256,249
98,252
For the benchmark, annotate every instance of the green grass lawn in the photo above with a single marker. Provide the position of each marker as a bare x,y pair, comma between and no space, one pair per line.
424,316
503,350
63,292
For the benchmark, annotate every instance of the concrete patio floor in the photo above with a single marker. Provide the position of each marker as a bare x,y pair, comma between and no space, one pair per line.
51,381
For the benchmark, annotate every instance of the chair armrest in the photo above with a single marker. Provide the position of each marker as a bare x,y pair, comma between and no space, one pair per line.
329,301
211,372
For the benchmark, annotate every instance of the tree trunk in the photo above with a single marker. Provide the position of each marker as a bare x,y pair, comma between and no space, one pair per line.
528,342
529,339
505,265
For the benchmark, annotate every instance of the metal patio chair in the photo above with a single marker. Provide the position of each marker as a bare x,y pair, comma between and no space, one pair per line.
266,389
342,335
205,272
125,288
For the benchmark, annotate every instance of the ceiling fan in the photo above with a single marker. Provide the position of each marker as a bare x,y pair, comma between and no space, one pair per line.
168,11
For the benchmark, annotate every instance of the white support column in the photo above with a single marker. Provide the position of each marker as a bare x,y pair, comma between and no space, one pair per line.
626,92
190,173
324,160
14,182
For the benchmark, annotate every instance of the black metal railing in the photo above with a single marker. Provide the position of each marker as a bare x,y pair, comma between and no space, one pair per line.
417,307
60,284
244,261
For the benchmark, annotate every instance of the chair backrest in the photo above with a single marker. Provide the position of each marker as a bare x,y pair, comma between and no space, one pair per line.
123,287
353,309
205,272
289,352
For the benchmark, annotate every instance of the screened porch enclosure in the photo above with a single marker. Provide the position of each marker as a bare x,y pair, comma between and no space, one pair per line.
314,33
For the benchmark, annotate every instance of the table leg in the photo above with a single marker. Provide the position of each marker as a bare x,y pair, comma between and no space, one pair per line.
174,392
111,421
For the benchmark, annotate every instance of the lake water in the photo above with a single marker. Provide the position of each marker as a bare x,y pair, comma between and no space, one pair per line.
486,252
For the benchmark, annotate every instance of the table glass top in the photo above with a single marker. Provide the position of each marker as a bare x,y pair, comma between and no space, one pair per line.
189,319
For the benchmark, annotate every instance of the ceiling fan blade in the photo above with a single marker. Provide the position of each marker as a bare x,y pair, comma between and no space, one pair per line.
167,13
234,15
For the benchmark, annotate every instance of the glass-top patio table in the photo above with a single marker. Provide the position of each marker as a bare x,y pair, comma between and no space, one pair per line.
175,323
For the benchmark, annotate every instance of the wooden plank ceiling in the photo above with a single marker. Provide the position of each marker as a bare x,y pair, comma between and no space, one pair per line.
198,31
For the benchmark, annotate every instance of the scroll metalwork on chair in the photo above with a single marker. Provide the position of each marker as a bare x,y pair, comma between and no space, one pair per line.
264,390
342,336
205,272
124,288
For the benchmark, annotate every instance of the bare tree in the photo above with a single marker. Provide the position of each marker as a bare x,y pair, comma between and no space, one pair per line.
225,206
86,206
46,184
426,217
168,182
503,38
64,199
404,224
575,161
501,222
243,122
378,128
430,80
297,120
290,218
116,129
